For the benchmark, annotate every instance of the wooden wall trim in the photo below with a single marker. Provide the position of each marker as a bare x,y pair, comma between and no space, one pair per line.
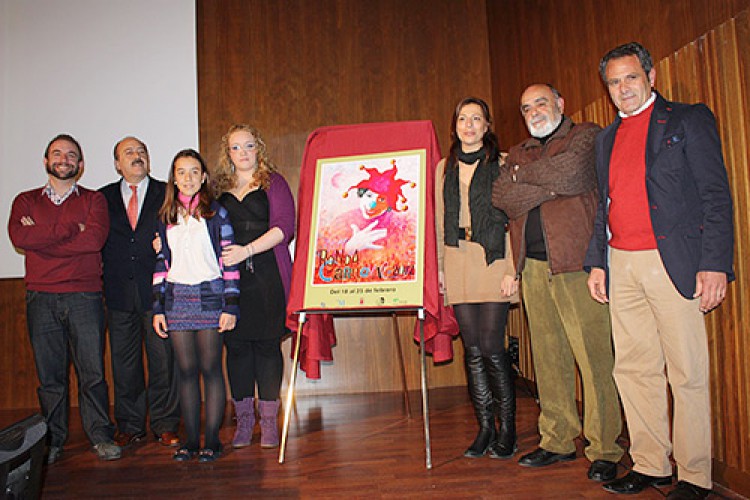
732,478
18,373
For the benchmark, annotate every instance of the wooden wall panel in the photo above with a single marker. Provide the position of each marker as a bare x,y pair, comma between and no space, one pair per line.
292,66
561,42
289,67
17,373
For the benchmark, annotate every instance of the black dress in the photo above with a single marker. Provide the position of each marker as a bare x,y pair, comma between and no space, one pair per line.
262,304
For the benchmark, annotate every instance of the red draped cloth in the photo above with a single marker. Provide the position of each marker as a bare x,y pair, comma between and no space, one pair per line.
318,335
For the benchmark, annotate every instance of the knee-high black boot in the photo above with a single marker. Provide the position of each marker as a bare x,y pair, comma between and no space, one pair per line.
481,398
503,389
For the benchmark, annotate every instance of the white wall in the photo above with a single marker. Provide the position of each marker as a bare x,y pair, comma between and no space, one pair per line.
98,70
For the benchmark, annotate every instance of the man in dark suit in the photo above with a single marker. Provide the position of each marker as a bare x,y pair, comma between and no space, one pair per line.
663,238
129,260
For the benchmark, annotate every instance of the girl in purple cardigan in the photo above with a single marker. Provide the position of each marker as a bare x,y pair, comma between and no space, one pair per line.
261,209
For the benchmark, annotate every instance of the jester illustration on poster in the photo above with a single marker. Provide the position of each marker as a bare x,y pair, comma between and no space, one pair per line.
366,248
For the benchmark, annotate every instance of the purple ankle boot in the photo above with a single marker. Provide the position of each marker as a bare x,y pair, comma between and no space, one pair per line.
269,424
245,411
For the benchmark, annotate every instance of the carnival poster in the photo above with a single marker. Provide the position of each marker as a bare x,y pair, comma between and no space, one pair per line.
367,235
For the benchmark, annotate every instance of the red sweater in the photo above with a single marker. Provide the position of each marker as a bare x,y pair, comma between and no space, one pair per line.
60,258
629,216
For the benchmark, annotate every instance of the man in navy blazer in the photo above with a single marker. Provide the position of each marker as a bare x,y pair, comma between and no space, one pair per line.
661,255
129,259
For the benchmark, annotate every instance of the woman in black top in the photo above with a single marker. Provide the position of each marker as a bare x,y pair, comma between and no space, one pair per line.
261,209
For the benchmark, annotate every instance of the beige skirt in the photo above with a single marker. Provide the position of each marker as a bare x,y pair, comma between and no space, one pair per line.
468,278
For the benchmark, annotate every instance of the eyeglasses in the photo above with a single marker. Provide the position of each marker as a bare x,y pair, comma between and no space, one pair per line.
250,146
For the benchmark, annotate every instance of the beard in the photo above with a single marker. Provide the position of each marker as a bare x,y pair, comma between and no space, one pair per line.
54,172
546,127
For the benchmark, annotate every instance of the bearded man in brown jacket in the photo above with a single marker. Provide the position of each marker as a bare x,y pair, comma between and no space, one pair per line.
547,187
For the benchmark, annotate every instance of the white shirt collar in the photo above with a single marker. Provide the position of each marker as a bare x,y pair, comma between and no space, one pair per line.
58,199
641,109
125,187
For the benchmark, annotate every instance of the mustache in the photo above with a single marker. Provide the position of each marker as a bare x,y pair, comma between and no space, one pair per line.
138,162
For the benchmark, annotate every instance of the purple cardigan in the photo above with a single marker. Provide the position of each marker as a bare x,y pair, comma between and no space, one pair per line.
281,214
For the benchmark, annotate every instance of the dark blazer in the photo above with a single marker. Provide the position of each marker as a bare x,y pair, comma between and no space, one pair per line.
688,193
128,254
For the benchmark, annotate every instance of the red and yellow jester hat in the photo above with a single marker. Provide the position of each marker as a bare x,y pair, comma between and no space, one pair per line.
385,185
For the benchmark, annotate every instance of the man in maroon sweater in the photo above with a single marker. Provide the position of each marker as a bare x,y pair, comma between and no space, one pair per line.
62,228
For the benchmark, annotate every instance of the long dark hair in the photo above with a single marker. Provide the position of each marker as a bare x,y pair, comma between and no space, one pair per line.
169,211
490,141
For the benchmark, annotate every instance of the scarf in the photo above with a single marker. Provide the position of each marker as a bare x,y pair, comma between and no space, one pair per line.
470,158
189,203
487,222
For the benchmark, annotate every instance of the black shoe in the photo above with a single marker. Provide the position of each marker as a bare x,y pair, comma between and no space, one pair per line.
483,441
208,455
184,455
688,491
602,470
635,482
125,439
541,458
502,450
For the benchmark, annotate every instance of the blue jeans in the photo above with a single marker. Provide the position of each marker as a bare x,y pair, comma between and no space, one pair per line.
61,326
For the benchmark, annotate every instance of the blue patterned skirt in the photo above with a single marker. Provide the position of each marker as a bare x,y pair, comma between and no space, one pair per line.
194,307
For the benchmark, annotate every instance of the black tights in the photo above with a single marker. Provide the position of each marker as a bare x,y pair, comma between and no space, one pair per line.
199,353
483,325
251,362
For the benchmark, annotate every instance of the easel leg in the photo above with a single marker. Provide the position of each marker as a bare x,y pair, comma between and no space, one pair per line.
290,389
425,403
397,334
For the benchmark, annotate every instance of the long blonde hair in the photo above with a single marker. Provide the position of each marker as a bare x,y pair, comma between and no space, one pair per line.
224,176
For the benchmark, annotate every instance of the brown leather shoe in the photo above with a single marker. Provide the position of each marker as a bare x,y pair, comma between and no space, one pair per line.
123,439
168,439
